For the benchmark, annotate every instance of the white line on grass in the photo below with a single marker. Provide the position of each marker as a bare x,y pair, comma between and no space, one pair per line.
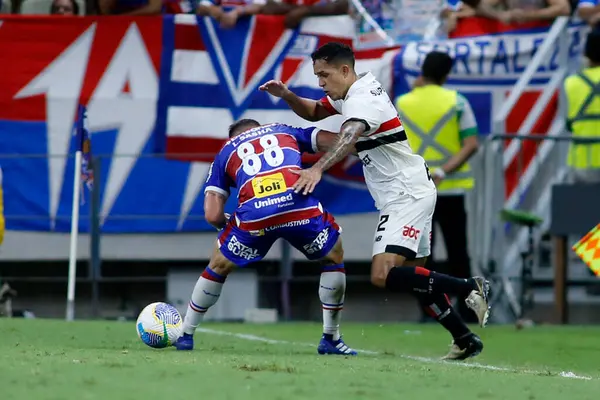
563,374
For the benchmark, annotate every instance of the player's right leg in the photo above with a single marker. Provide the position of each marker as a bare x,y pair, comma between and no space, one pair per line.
205,295
234,247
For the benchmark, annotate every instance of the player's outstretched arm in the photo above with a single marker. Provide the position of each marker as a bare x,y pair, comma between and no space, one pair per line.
344,145
214,209
310,110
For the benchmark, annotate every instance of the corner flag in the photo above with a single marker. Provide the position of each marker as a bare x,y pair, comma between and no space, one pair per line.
84,145
588,249
83,174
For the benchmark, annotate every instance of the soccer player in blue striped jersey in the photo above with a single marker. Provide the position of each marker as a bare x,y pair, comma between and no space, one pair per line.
259,161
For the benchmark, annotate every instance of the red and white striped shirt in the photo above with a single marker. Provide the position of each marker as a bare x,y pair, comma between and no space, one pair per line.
392,171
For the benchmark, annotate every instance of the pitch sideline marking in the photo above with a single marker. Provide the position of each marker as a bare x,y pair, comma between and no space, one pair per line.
245,336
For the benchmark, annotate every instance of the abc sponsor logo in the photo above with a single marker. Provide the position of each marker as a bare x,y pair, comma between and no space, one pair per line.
410,232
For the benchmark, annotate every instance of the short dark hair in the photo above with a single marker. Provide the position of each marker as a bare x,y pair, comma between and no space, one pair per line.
592,45
334,52
437,66
242,125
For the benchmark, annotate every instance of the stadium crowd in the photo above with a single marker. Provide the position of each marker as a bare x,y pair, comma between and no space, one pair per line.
227,12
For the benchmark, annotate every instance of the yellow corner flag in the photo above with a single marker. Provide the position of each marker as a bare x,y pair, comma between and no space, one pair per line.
588,249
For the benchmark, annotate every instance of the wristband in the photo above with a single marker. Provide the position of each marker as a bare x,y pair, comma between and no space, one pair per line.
227,216
439,173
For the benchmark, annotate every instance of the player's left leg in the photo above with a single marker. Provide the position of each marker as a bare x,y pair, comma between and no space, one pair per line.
401,249
319,239
332,291
405,277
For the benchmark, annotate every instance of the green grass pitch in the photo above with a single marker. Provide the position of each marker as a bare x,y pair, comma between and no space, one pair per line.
51,359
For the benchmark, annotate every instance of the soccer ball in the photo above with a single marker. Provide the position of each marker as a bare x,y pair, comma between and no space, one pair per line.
159,325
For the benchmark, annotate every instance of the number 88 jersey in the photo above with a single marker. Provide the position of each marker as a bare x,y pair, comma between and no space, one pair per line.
258,162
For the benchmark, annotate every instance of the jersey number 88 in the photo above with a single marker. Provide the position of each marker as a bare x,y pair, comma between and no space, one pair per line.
272,153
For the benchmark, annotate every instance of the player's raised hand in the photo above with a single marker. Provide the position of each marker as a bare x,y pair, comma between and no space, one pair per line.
274,88
308,179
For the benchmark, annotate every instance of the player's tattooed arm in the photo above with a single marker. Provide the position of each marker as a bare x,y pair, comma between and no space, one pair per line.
344,145
326,140
214,209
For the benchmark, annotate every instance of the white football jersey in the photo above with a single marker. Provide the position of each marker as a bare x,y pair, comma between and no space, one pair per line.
392,171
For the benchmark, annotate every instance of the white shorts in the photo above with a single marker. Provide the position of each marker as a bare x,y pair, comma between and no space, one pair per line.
405,227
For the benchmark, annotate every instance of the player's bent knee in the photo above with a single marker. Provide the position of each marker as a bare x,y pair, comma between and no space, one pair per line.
222,268
220,264
336,255
380,267
378,279
417,262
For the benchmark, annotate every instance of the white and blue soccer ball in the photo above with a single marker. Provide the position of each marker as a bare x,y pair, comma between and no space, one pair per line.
159,325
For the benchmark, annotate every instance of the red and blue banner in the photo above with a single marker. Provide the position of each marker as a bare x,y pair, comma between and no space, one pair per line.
160,93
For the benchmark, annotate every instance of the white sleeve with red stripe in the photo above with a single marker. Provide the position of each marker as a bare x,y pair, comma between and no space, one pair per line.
362,109
333,107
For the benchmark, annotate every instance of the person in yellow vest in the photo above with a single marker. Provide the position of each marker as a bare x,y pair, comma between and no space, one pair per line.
583,118
441,127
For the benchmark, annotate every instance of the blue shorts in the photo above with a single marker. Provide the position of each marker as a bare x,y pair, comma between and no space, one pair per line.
314,237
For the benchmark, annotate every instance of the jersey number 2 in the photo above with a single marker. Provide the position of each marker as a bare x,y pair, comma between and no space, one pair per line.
382,220
251,162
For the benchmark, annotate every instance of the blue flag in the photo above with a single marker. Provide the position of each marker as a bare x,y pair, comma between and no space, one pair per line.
84,145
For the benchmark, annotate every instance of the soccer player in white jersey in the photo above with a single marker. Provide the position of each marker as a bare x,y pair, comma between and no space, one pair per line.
400,184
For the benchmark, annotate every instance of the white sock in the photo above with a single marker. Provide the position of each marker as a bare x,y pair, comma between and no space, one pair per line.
332,288
205,295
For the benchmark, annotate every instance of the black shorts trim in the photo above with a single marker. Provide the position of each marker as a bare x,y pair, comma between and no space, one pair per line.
380,141
401,251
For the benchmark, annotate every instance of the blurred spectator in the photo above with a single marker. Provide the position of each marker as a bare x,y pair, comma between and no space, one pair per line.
521,11
5,6
589,11
64,7
45,7
313,8
227,12
130,7
177,6
455,10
